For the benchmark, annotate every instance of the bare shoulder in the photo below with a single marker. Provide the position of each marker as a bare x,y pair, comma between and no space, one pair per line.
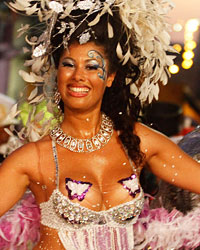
25,157
152,141
145,132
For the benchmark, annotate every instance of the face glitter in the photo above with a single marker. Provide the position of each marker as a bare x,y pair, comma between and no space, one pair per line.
44,187
91,54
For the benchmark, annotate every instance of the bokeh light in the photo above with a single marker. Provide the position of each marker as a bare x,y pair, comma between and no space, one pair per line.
187,55
177,27
190,45
192,25
188,36
174,69
177,47
187,64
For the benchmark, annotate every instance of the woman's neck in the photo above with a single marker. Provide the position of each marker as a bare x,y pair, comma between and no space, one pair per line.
81,125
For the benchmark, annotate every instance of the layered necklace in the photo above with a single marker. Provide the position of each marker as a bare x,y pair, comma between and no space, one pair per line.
85,145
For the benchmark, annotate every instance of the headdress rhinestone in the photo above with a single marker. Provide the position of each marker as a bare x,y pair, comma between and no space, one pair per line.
145,20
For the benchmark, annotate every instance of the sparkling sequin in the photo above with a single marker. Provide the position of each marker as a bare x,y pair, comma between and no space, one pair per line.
77,189
55,6
84,38
44,187
39,51
59,212
131,184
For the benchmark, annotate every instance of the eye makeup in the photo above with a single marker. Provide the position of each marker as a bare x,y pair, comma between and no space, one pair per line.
96,62
67,62
102,66
92,65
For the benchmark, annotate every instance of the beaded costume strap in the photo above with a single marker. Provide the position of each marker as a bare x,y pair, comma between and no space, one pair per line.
55,155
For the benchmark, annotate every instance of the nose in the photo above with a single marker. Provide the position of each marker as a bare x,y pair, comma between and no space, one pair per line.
79,74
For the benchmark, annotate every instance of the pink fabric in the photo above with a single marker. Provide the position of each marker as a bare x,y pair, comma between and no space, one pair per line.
19,227
162,230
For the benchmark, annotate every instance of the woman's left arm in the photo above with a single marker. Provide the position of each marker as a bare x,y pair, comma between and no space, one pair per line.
167,161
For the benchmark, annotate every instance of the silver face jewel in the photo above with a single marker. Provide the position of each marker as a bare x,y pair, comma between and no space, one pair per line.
84,145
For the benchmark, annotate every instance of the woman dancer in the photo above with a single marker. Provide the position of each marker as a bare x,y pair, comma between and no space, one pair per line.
84,173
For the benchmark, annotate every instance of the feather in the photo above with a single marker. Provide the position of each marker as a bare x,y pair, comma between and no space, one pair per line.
95,21
33,93
32,43
37,64
37,99
119,51
110,31
30,77
32,10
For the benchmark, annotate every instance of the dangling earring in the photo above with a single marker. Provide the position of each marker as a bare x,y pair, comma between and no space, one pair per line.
57,97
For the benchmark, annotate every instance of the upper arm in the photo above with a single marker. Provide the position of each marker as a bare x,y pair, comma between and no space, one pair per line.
15,175
167,161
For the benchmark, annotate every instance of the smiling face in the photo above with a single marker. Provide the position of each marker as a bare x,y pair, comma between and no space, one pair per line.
83,76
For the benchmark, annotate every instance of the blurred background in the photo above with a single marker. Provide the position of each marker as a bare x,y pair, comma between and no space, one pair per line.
178,109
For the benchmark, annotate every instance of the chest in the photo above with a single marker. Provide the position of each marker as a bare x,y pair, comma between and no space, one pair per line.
96,180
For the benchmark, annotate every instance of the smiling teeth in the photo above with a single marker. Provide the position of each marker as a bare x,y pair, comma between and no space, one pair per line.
79,90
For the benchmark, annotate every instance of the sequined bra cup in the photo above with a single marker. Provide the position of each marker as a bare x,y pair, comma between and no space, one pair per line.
85,229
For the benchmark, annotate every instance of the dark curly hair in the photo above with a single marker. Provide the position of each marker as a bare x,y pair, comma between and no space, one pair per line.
118,103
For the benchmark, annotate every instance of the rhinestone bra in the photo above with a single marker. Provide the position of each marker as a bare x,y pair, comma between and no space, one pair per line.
60,212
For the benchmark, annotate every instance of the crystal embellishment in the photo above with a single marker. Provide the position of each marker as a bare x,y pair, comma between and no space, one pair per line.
84,38
85,4
77,189
131,184
55,6
85,145
39,50
73,214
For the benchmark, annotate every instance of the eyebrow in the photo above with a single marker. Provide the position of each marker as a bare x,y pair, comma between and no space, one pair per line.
86,60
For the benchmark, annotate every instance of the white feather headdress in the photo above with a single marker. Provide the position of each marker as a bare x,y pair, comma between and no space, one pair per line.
146,19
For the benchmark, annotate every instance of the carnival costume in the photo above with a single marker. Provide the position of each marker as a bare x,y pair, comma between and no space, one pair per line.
144,24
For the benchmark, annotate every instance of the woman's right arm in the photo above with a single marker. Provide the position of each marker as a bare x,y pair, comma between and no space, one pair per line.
15,174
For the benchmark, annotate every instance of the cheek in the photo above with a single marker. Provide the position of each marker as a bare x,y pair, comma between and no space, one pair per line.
63,75
96,79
